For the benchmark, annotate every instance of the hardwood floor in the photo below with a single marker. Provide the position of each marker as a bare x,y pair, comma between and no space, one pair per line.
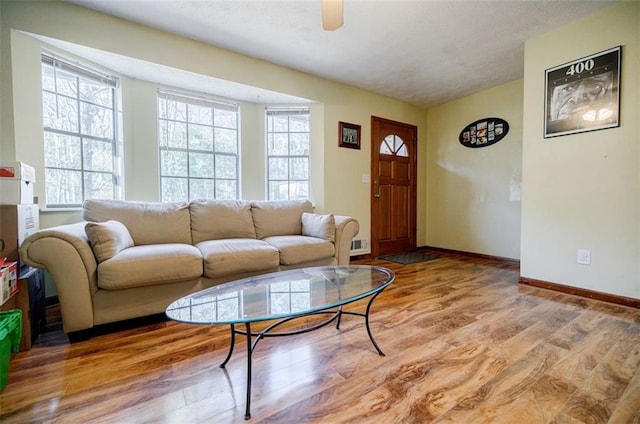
464,343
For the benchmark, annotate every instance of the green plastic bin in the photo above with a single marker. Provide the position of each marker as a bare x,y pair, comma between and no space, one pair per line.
10,335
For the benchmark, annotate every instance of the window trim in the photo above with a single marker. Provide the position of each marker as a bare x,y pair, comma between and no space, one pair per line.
88,73
286,111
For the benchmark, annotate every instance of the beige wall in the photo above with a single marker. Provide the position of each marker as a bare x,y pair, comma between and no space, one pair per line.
583,190
337,172
473,194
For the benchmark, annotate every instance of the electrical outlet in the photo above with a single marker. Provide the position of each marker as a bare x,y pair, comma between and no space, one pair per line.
584,257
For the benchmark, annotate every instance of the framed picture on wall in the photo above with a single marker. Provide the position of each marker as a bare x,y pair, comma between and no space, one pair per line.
583,95
348,135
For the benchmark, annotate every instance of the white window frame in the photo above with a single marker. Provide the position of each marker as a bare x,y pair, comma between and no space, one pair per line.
87,73
270,132
215,105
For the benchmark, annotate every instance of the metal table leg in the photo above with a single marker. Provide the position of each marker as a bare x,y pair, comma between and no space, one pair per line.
366,322
247,412
251,344
233,340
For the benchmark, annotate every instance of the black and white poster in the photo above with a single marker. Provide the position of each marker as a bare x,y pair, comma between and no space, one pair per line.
583,95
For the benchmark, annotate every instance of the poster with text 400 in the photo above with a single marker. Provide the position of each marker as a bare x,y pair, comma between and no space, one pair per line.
583,95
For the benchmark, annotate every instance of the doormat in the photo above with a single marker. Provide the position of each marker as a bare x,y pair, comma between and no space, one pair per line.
409,257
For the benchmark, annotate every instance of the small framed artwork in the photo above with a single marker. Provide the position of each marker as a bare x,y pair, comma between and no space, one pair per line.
349,135
583,95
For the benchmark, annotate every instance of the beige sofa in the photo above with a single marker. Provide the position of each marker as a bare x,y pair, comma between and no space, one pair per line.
131,259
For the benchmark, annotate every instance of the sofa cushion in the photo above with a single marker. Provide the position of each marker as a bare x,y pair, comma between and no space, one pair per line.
319,226
231,256
298,249
148,265
107,238
221,219
279,218
144,219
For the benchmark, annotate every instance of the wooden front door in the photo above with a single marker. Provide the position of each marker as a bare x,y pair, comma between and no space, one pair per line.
393,192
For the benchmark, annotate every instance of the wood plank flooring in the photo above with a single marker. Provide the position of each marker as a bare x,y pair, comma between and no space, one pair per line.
464,343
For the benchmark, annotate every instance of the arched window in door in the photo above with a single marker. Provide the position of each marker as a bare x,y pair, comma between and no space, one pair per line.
393,145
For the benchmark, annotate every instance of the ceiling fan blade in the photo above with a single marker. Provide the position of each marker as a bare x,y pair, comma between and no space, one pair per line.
332,15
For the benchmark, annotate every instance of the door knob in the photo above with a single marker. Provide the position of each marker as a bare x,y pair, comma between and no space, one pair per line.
376,196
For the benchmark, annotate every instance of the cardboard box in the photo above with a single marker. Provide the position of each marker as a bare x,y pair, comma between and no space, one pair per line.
17,222
16,183
8,281
17,171
16,192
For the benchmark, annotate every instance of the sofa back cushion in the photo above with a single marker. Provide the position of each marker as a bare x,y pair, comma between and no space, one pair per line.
147,222
279,217
221,219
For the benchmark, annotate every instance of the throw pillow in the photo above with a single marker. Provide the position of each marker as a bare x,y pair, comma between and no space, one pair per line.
319,226
107,238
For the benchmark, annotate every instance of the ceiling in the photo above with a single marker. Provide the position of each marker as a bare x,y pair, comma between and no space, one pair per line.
423,52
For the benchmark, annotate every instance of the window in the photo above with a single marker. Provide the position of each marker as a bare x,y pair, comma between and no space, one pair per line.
288,153
80,133
394,145
198,141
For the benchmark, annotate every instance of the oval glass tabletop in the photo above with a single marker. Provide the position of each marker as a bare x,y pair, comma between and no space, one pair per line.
280,294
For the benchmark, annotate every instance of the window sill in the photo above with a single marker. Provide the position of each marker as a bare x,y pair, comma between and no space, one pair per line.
58,210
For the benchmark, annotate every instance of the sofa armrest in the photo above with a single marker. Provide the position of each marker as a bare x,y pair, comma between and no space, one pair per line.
65,252
346,230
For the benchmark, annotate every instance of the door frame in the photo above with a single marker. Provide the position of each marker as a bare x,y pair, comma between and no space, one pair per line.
412,210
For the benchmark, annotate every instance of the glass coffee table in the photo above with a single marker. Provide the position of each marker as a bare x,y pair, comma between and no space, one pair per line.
282,297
